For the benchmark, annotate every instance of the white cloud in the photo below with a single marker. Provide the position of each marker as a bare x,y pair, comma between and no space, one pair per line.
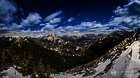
51,24
129,17
132,8
82,27
42,24
121,11
48,27
7,9
70,19
15,26
28,30
87,24
55,20
3,27
52,16
31,20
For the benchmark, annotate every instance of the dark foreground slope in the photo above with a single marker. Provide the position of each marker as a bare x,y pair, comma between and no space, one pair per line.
45,56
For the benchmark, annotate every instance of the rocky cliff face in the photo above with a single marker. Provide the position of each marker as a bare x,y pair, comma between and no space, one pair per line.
121,61
112,55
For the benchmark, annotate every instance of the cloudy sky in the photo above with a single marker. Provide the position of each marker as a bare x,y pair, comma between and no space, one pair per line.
99,10
69,15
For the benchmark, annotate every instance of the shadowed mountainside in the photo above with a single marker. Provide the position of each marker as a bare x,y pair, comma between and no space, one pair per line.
50,54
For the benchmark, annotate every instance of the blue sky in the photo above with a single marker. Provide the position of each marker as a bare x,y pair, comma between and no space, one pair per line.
99,10
71,15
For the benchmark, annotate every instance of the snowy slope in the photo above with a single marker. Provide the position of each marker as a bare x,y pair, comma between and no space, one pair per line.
127,65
